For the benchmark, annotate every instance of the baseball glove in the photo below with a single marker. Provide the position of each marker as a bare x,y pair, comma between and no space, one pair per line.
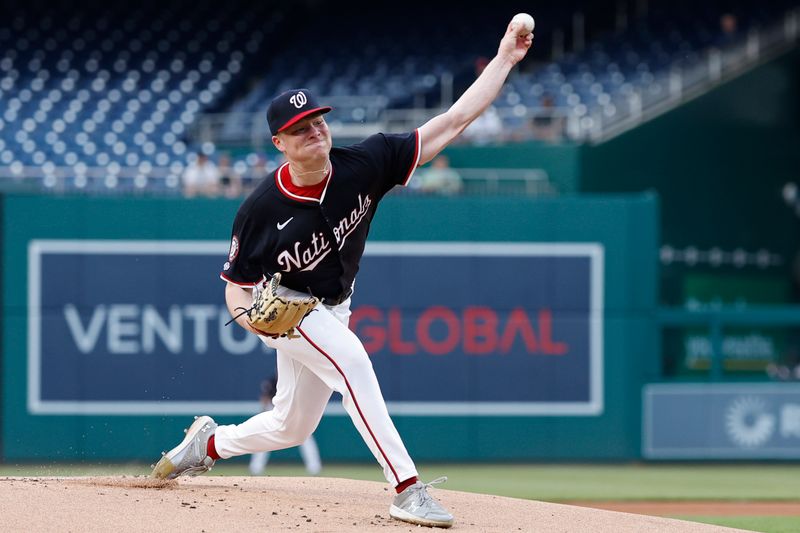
278,316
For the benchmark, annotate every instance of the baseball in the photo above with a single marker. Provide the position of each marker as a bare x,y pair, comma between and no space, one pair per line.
524,20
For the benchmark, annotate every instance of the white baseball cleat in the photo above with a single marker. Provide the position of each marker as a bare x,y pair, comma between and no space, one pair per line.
190,457
416,506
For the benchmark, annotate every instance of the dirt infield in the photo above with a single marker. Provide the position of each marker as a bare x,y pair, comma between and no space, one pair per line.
231,504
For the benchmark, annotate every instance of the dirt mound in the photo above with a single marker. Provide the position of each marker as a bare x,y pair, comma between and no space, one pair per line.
133,482
232,504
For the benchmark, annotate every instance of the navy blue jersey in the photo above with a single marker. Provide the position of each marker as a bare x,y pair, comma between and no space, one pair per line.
317,244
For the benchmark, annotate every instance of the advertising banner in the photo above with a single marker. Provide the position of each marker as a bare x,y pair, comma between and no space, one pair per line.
138,327
722,421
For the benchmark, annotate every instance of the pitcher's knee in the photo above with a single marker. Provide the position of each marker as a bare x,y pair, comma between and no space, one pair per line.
354,361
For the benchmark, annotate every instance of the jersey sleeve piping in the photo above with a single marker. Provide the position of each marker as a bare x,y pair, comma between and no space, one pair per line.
239,283
417,154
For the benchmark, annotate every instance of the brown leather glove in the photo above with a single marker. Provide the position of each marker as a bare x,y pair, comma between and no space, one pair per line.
278,316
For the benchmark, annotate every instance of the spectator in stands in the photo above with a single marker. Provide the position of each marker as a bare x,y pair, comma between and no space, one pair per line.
486,128
230,181
440,178
480,64
201,178
728,23
729,27
257,172
546,125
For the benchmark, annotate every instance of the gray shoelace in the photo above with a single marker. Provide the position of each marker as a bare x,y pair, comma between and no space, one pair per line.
423,494
436,481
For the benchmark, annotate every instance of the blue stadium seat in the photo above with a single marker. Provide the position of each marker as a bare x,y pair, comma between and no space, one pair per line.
123,84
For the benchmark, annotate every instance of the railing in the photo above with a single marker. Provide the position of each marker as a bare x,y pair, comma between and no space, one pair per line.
251,128
115,179
82,178
717,319
485,181
548,124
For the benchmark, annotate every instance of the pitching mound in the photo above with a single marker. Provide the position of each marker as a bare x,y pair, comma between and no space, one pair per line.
230,504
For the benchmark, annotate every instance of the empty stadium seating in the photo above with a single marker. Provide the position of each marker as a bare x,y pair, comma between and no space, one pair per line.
104,97
115,86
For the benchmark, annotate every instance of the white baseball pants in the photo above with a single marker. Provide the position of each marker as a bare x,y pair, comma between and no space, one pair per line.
326,357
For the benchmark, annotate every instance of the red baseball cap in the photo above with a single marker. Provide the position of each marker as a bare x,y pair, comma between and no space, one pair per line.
290,106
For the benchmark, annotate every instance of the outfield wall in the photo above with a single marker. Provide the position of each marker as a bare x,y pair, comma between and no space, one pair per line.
500,328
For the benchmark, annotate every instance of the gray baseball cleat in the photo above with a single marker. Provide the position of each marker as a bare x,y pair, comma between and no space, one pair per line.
416,506
190,456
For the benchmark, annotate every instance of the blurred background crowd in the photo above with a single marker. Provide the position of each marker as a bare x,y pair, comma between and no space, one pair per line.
114,98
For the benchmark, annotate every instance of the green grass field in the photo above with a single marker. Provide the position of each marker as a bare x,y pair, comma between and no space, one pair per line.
770,524
554,483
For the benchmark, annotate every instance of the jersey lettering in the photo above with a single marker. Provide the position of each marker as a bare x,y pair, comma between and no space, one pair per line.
308,258
349,223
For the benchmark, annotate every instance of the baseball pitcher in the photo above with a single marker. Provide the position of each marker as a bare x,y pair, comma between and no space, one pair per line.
295,249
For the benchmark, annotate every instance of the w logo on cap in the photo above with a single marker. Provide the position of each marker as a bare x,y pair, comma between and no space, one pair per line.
298,100
290,106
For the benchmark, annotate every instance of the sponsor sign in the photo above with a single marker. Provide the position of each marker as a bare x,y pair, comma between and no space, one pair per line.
722,421
136,327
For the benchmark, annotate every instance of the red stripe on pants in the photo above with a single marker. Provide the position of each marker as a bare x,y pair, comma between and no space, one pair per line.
352,395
